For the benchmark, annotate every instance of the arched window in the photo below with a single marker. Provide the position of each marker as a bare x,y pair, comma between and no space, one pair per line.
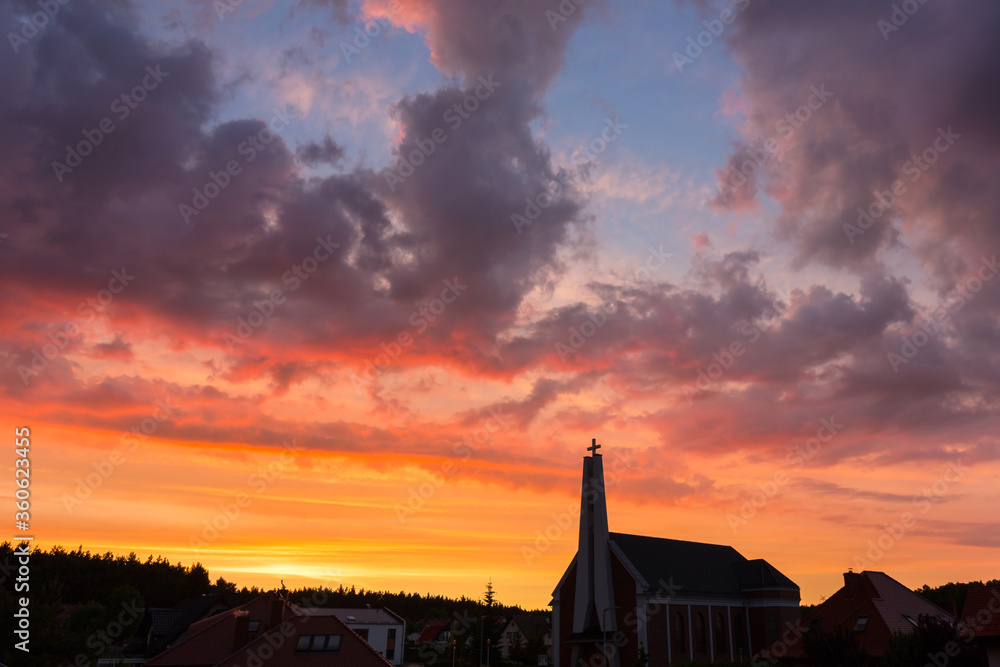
700,636
680,632
772,627
721,639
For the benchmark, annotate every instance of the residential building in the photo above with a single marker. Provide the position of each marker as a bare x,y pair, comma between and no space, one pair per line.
381,628
269,632
873,606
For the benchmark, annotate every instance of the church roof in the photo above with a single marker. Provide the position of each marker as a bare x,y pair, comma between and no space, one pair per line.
696,567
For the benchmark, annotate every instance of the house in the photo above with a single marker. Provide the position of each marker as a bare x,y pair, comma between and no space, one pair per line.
981,620
436,632
381,628
269,632
873,606
524,630
162,627
683,602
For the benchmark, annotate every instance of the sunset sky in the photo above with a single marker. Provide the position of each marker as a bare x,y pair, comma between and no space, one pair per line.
359,281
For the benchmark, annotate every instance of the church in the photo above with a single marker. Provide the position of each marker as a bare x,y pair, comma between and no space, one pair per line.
681,602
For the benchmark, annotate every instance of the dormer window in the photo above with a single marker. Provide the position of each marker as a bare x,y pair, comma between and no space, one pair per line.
317,643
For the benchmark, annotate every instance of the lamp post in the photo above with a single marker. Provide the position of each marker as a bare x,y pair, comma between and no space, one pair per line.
604,622
487,653
454,647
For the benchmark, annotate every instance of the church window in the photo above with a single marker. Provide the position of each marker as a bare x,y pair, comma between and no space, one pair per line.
700,638
772,627
680,646
720,633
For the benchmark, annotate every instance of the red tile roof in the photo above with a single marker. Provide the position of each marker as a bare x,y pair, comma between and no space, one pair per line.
982,611
430,632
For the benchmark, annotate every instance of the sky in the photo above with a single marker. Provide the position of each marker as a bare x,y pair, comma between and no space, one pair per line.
340,291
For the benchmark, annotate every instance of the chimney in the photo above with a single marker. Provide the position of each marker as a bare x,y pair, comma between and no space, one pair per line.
241,637
852,582
277,612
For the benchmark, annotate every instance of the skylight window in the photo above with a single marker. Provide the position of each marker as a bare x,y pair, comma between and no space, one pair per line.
861,624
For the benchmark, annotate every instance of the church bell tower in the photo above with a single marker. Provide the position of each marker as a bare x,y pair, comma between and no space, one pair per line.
595,599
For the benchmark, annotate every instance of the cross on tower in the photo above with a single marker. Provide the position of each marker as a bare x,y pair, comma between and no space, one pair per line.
593,446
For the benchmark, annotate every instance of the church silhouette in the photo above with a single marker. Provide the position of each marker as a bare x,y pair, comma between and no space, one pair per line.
682,602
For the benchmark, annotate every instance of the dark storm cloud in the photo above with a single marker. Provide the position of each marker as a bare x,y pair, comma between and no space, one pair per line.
212,218
892,91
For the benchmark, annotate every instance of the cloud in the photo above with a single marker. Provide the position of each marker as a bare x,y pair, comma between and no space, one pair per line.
891,92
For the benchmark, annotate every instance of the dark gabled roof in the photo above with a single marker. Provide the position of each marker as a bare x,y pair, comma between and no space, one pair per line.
695,567
531,626
169,624
759,573
362,616
896,602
